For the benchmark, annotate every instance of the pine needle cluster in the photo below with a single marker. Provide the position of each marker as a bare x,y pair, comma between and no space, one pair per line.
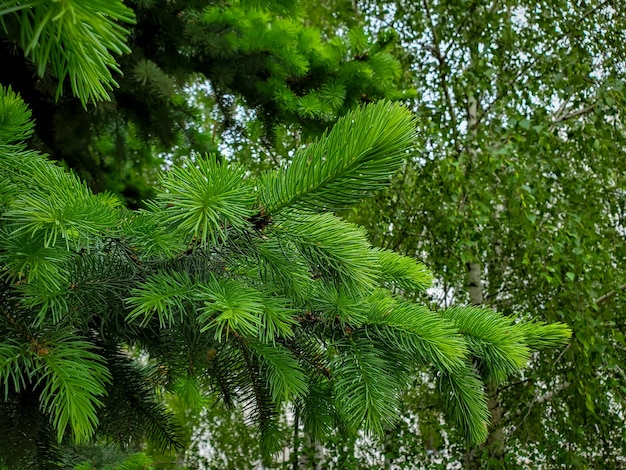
74,38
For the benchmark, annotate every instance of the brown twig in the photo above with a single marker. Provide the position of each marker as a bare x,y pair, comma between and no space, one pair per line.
603,298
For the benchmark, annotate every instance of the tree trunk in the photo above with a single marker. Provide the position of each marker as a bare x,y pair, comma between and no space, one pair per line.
495,439
494,446
475,285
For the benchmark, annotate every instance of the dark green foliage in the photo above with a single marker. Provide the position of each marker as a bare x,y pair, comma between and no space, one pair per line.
254,54
34,445
132,411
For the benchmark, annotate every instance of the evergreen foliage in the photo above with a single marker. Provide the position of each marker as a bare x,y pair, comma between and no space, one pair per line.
74,39
222,313
253,289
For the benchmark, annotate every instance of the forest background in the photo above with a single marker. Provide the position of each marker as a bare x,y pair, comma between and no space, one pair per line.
514,199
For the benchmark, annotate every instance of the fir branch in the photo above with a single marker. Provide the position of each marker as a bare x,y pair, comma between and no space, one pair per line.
423,334
15,117
285,267
71,378
261,405
227,372
148,239
465,401
319,414
367,394
132,410
403,272
29,439
230,308
336,304
346,165
540,335
501,347
26,257
162,293
335,249
267,309
59,206
285,377
74,39
16,366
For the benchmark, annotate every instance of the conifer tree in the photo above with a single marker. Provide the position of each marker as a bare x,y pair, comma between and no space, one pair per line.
250,288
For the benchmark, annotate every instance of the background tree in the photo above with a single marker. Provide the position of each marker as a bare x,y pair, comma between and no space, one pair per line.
516,201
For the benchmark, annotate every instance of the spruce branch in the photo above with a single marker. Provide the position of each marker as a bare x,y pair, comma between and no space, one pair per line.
285,377
465,401
15,117
251,289
132,409
230,308
356,158
492,338
403,272
424,335
74,39
71,379
205,199
333,248
162,293
365,385
540,335
260,403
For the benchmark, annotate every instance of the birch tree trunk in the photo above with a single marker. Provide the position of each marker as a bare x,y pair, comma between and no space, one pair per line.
495,440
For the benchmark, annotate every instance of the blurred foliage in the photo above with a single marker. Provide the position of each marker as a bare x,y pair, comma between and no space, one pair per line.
522,109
